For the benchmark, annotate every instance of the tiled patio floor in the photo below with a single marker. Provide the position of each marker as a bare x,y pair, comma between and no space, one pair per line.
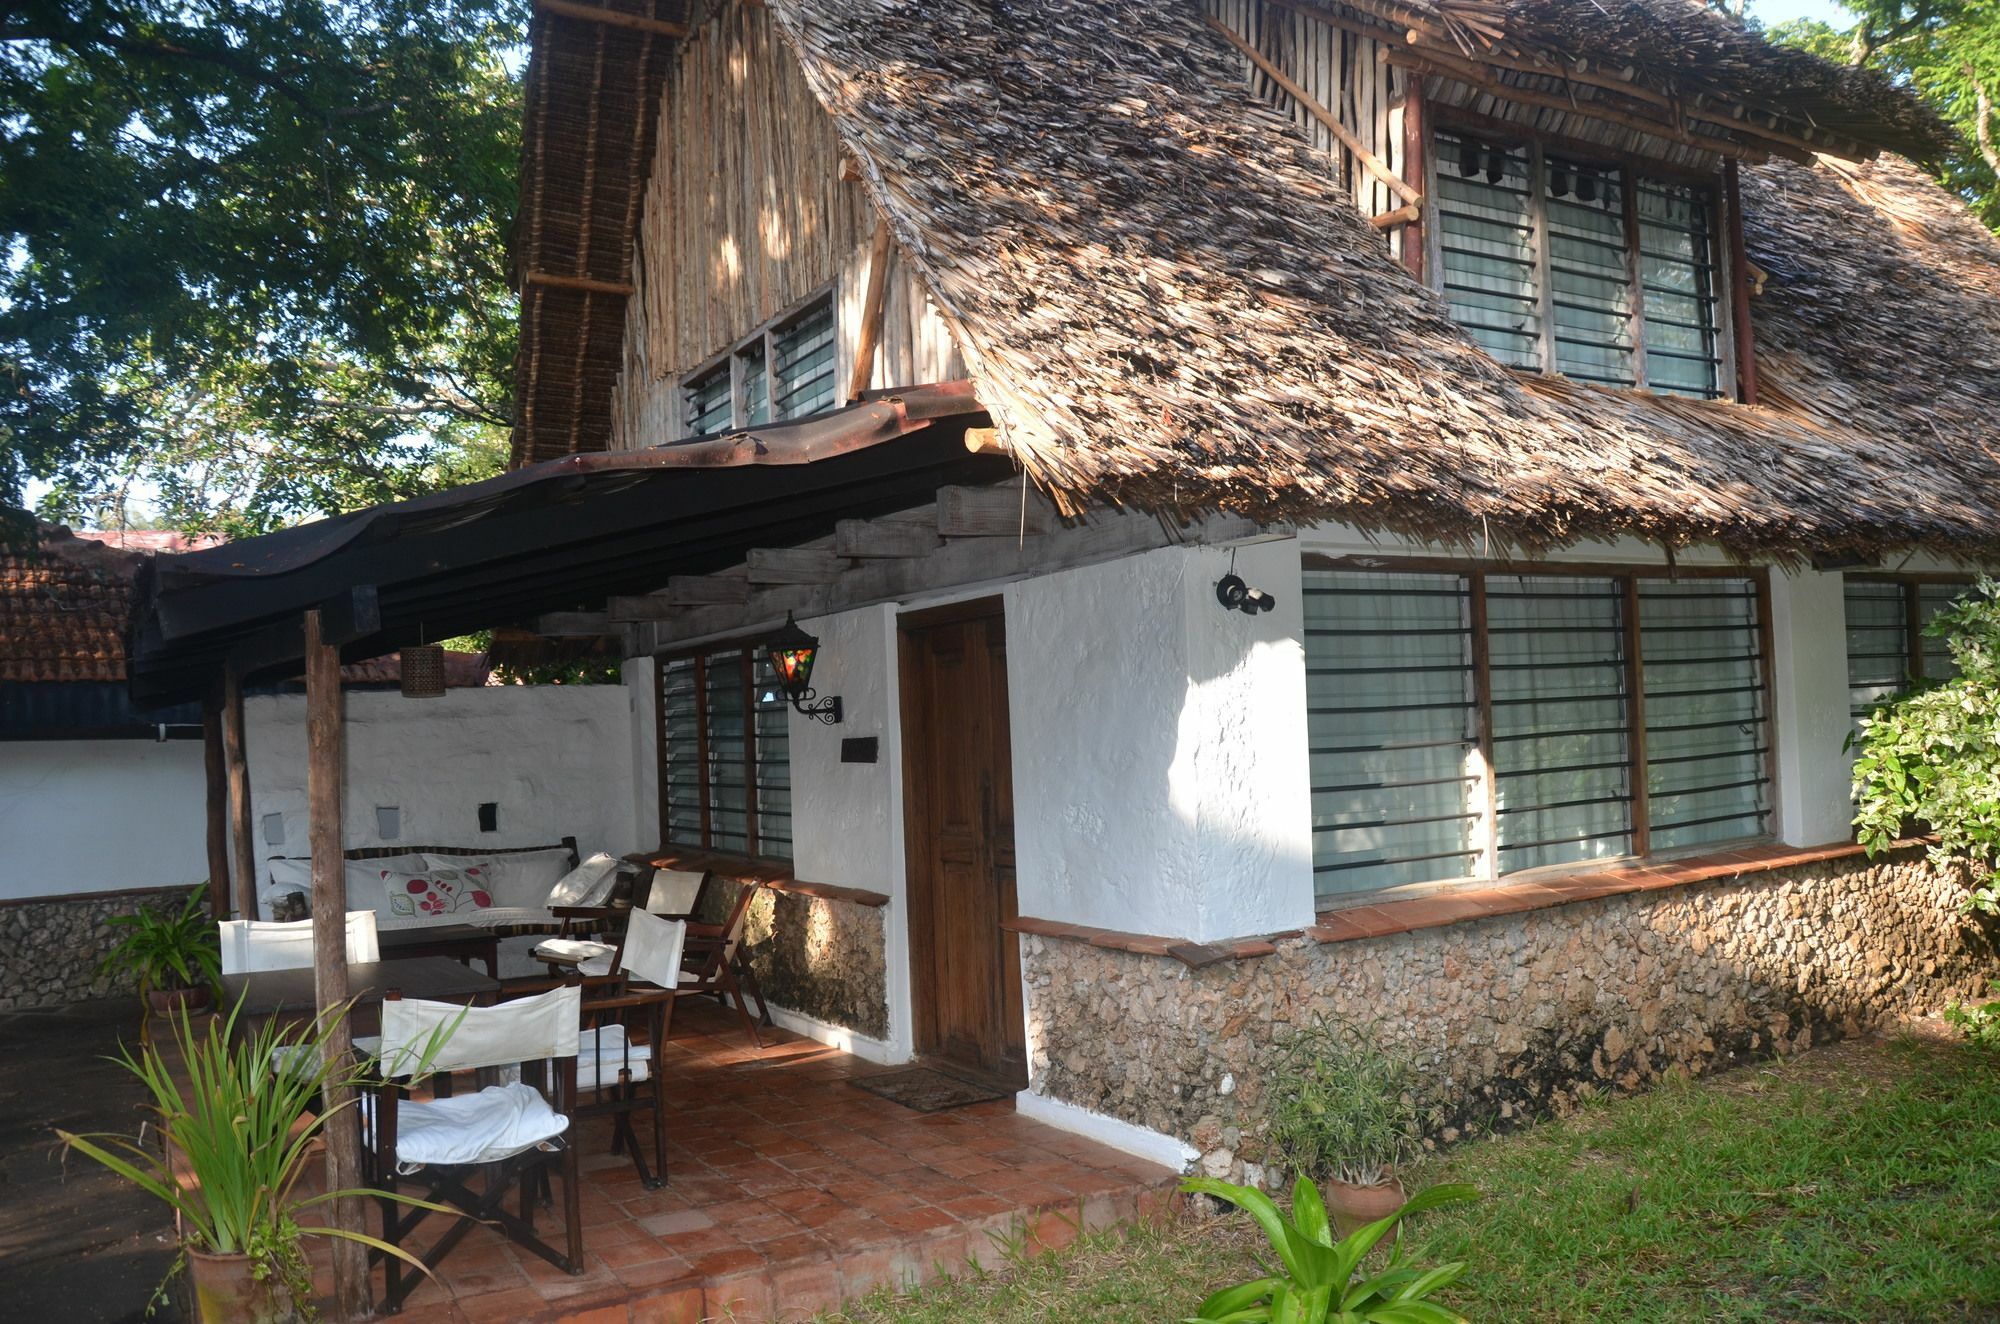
791,1190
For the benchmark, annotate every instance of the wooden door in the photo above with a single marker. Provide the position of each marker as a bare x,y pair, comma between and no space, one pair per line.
965,968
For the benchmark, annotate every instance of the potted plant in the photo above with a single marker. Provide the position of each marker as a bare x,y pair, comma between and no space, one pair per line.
1344,1113
236,1138
175,954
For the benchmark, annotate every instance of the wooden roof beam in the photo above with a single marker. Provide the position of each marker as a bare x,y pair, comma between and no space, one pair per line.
589,284
612,18
992,512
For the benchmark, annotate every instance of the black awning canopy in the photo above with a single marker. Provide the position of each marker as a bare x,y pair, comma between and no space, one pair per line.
551,536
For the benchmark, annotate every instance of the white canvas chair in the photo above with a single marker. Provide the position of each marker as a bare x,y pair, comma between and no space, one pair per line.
514,1133
616,1074
671,893
252,945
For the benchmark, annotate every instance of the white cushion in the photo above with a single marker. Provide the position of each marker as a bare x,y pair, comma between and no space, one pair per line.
591,958
606,1051
498,1122
589,884
437,894
520,878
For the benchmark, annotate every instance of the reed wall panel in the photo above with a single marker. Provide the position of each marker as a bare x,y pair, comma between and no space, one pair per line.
746,217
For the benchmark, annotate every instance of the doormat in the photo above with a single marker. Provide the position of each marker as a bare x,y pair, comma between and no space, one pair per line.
926,1090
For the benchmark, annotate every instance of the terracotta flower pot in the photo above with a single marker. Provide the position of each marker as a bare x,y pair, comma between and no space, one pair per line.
170,1001
1351,1207
226,1291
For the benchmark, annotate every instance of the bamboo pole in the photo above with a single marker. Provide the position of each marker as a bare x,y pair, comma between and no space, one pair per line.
324,764
215,765
243,853
1369,161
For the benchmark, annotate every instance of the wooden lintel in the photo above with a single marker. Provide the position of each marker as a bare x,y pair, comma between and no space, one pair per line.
793,565
557,281
629,610
706,590
992,512
1101,536
574,624
870,539
612,18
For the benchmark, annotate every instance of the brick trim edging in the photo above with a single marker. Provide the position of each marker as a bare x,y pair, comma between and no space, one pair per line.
1385,918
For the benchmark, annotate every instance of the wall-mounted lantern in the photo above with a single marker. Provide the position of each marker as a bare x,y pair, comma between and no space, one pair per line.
792,652
1234,594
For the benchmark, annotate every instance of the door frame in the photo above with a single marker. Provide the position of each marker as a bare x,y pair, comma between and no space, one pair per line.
920,923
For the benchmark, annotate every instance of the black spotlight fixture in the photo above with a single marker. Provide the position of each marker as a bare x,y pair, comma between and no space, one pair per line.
1586,186
1468,158
1558,180
1496,166
1233,593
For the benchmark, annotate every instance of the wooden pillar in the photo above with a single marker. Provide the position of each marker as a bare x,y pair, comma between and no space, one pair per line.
215,764
1745,340
242,851
325,761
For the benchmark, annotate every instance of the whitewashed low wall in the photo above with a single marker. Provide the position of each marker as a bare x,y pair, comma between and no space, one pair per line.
80,816
555,761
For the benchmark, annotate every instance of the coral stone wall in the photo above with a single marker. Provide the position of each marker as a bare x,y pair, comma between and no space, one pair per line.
50,946
1511,1016
820,957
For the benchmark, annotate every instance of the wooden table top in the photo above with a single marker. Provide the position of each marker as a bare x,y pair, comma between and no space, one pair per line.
439,978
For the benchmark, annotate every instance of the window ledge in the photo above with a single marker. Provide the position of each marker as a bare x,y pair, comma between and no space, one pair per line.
774,874
1383,918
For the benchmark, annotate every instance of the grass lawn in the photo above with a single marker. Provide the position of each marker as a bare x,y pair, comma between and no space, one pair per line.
1857,1182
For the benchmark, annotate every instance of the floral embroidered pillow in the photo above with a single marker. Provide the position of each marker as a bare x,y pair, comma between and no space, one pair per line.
436,892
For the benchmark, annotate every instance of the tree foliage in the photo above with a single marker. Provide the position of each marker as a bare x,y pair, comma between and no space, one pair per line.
1930,757
254,250
1948,52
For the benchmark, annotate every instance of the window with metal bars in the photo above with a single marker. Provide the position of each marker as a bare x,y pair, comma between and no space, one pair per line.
1887,648
1562,265
724,753
1471,726
785,371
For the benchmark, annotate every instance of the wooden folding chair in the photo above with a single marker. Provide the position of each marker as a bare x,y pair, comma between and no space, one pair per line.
715,964
510,1134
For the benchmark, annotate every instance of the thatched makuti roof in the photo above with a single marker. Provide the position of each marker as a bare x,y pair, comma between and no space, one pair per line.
1168,303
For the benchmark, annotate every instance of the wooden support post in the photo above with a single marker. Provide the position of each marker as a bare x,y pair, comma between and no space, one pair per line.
243,854
216,765
1416,165
1742,333
871,312
325,760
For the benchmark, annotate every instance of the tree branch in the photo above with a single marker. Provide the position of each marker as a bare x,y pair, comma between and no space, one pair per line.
1982,123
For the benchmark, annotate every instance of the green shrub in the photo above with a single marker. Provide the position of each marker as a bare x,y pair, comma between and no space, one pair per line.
1342,1105
167,949
1929,759
1980,1021
1321,1282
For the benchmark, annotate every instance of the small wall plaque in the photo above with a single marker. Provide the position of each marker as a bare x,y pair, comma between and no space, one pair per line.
489,817
858,749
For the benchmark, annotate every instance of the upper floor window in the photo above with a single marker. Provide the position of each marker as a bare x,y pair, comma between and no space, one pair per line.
725,753
1470,726
742,389
1887,648
1562,265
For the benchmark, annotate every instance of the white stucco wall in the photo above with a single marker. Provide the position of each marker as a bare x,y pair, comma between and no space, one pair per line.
1809,708
100,816
847,818
556,759
1160,766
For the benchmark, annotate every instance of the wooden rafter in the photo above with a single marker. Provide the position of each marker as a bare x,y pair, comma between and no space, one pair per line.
871,310
612,18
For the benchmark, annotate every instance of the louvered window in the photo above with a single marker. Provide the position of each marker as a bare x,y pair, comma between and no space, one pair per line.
1473,726
785,371
725,754
1887,647
1569,266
